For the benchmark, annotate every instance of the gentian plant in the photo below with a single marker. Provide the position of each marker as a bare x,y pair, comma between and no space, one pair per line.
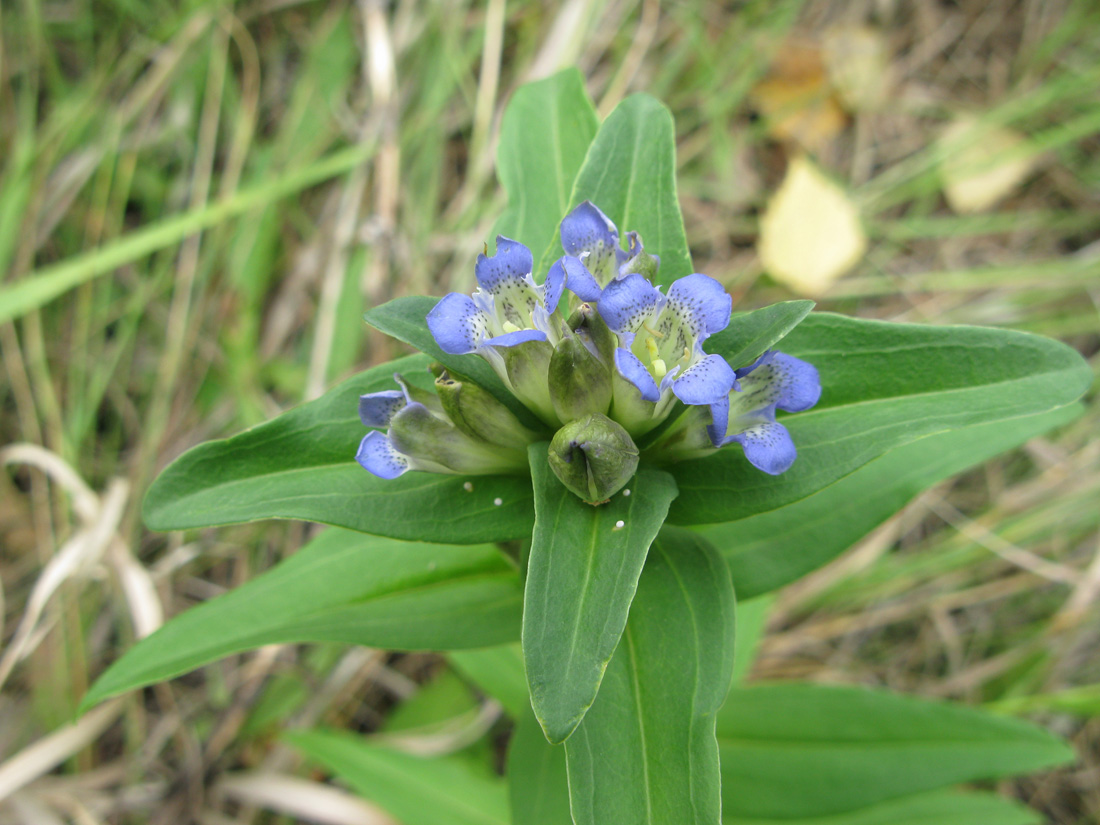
591,456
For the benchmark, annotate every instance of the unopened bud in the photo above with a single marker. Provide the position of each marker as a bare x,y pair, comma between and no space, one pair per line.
594,457
477,413
580,382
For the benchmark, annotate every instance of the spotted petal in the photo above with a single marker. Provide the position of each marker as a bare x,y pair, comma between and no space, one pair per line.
800,386
588,234
634,371
377,408
377,455
705,382
768,446
781,380
627,303
579,279
458,324
554,286
701,304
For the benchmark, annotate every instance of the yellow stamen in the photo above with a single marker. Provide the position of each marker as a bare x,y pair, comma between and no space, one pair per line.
651,330
651,348
659,368
510,327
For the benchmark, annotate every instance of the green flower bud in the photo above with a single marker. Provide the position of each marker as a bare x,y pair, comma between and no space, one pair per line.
478,414
437,445
594,457
580,383
588,324
525,367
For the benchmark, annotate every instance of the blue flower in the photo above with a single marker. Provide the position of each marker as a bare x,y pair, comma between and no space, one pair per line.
421,435
593,257
618,362
508,321
661,338
747,415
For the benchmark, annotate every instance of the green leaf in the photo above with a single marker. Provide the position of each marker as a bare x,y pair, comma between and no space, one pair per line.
302,465
937,808
403,319
537,780
544,134
884,385
499,672
800,750
341,587
751,334
752,618
772,549
646,752
630,174
414,789
581,576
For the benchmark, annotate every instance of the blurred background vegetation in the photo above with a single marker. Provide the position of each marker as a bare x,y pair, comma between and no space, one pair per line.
198,199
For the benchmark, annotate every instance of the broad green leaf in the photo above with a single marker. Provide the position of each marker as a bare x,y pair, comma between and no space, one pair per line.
499,672
537,781
645,753
581,576
403,319
801,750
544,134
341,587
630,174
302,465
883,385
414,789
752,617
772,549
937,808
751,334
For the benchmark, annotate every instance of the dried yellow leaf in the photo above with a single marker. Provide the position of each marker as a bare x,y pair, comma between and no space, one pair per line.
811,232
981,164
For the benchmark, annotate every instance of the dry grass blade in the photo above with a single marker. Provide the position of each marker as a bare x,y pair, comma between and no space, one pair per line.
296,797
87,545
50,751
456,734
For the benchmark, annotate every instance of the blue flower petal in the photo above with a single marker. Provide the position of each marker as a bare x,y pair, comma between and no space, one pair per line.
512,262
766,358
588,234
457,324
554,286
520,336
579,279
705,382
634,371
768,447
626,303
377,455
800,386
720,419
700,303
377,408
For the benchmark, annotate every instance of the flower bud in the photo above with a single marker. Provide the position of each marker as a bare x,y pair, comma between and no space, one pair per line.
594,457
580,383
477,413
525,367
432,443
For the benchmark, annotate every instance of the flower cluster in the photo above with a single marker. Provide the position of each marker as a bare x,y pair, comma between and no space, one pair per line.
601,357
